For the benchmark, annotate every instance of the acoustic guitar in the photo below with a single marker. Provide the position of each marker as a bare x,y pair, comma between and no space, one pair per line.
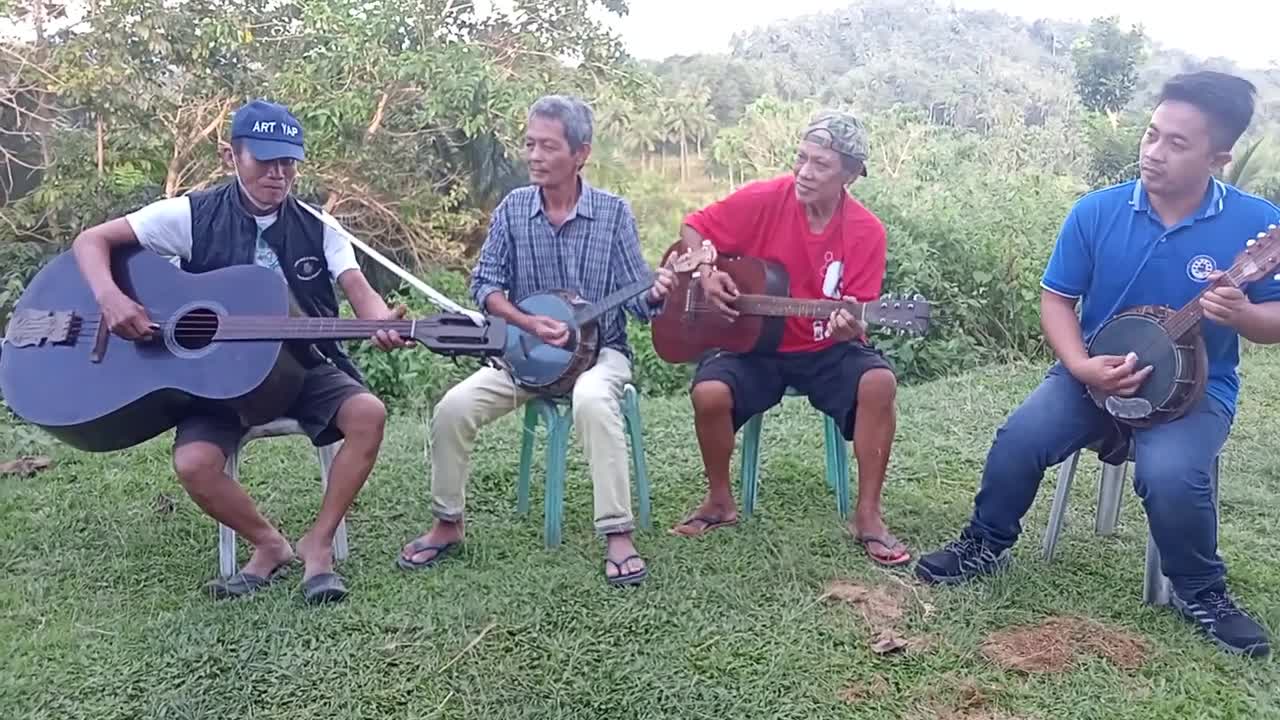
550,370
1171,343
229,337
690,325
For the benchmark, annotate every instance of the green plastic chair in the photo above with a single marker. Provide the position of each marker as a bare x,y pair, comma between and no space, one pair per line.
557,415
837,463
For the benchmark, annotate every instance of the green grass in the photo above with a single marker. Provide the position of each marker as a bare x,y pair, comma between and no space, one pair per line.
101,615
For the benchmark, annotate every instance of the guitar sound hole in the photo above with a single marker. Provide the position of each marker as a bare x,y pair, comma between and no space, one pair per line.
195,330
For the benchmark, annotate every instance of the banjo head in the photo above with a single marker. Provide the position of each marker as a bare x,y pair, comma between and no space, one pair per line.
1140,332
539,366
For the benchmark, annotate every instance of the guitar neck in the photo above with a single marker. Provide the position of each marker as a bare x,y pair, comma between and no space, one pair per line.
773,306
305,328
613,300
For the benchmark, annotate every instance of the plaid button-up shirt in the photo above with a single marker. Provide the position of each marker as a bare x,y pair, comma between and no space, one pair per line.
595,252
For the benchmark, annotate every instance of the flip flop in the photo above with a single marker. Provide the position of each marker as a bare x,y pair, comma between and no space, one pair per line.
622,578
243,584
883,541
323,588
708,524
420,546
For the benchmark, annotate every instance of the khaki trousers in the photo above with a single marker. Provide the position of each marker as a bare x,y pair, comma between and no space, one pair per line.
488,394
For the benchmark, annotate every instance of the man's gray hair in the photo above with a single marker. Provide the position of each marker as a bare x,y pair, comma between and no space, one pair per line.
573,114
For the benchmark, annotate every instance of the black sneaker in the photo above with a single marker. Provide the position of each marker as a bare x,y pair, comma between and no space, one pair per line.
962,560
1216,614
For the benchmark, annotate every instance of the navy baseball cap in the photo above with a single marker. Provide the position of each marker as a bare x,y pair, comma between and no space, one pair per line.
269,130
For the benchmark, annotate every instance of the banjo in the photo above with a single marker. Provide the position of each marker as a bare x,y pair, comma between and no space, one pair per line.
1171,343
552,371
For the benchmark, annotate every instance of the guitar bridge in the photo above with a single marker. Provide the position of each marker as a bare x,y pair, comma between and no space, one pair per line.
37,327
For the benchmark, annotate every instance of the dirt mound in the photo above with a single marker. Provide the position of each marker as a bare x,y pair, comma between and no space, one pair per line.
961,699
1052,645
882,608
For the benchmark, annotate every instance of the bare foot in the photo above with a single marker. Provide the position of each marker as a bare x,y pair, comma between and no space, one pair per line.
428,547
268,556
316,554
621,553
869,529
710,515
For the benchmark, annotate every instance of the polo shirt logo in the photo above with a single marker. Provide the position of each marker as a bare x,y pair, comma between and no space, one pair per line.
1201,267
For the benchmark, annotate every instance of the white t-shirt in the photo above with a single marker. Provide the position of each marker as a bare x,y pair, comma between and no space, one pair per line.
164,227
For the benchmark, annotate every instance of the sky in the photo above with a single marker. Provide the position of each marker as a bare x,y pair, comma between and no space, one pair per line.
656,29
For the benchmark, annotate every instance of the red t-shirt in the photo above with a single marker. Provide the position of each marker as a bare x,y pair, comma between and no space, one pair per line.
764,219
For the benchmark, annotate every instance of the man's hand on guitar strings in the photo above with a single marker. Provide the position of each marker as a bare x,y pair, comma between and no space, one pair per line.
843,326
1112,374
127,318
388,340
663,281
721,290
1224,304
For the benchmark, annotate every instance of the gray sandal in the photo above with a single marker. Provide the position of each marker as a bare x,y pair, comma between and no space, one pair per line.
324,588
420,546
243,584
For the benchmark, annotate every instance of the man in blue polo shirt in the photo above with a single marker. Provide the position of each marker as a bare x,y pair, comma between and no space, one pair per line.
1156,240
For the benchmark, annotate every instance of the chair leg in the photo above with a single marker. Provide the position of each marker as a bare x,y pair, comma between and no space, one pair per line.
227,564
326,455
837,467
558,425
631,415
1110,496
750,471
1155,586
1058,510
531,412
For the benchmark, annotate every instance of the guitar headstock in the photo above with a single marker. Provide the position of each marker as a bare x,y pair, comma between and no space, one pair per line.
1260,256
455,334
689,260
909,315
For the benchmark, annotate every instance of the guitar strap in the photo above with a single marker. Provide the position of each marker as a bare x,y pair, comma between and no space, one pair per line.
1121,299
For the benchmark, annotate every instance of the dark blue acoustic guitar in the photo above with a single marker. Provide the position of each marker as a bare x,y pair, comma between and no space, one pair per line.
548,370
231,337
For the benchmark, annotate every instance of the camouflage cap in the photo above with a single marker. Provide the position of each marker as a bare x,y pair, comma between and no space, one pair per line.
842,132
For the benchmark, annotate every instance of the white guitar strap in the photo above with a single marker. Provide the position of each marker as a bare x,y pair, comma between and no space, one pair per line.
403,274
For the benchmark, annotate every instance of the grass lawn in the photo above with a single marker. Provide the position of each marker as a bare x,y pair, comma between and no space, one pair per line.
101,614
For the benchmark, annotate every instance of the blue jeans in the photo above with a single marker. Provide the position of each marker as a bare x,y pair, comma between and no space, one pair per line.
1171,474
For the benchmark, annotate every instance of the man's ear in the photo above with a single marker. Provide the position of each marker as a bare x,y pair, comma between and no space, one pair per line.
1221,160
226,154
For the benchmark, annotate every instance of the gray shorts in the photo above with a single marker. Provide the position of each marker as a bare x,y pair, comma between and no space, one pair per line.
324,389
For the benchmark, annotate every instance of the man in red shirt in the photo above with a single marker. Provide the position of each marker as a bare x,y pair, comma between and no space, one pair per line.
831,247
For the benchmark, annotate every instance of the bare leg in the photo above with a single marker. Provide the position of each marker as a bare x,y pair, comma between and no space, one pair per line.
200,467
874,426
362,420
713,420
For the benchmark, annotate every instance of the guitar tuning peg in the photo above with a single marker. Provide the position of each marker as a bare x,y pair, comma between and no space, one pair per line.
918,297
1250,242
1276,277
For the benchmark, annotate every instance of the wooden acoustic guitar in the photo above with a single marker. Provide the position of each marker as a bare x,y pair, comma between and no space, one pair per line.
550,370
228,337
690,325
1171,343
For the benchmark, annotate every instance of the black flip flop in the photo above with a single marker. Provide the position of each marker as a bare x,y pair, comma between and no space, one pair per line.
622,578
324,588
708,524
243,584
420,546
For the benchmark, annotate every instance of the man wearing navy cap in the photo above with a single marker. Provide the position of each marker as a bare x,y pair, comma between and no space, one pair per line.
255,220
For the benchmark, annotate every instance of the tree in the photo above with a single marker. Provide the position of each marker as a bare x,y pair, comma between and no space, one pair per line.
1105,63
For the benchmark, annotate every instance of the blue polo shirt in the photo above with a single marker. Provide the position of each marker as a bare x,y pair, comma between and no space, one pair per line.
1112,233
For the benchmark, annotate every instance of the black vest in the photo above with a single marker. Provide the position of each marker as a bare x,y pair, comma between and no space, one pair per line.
223,233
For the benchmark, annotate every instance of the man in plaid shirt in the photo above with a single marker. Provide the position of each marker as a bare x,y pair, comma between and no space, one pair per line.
558,233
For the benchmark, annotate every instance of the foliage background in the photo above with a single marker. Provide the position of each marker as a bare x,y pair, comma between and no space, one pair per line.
985,130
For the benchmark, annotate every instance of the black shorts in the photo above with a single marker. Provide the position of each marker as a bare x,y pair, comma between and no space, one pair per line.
829,378
324,389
